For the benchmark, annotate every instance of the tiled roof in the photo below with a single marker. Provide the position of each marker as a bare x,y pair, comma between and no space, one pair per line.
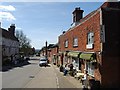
8,35
87,16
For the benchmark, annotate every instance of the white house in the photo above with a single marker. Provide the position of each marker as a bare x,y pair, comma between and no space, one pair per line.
9,44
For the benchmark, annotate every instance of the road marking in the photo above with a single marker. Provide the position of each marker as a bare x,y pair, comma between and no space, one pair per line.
57,82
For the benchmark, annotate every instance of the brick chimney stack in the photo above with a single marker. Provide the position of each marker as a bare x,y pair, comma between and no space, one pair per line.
12,29
77,15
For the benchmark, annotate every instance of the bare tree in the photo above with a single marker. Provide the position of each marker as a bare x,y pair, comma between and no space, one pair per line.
25,46
24,41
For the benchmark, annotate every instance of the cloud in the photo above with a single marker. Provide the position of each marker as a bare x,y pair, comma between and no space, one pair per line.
5,12
7,8
18,28
6,15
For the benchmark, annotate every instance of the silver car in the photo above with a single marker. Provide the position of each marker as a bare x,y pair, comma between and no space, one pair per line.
43,62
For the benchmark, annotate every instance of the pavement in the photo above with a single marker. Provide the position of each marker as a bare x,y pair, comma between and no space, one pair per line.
71,79
9,67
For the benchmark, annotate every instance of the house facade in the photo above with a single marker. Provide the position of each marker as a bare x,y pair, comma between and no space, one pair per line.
9,44
92,43
53,54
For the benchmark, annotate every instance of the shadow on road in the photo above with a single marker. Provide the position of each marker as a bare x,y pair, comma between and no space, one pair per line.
46,66
9,67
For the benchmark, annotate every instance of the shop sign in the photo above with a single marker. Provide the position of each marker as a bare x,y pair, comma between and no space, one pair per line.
102,33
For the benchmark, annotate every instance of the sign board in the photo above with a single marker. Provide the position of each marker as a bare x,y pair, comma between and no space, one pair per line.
102,33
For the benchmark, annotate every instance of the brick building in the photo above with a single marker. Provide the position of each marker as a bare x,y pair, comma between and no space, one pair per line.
54,54
92,44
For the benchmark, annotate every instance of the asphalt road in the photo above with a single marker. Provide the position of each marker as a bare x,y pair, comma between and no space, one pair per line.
18,77
33,76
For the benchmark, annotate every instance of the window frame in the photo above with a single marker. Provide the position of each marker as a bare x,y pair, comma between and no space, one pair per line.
90,68
90,38
75,42
66,43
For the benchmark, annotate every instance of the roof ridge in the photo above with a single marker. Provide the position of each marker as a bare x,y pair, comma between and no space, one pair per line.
6,34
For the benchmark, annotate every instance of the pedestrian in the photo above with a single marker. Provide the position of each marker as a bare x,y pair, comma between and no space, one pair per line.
71,67
85,80
61,68
65,70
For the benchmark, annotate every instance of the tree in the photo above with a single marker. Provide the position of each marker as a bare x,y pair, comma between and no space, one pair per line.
25,46
24,41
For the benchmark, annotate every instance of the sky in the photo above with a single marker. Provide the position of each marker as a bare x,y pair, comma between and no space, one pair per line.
42,21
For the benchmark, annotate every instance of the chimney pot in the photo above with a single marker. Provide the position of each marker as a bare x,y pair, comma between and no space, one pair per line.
12,29
77,15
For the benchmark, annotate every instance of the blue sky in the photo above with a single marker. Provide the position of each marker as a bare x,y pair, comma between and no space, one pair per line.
41,21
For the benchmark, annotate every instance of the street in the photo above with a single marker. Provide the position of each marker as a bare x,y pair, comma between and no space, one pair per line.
33,76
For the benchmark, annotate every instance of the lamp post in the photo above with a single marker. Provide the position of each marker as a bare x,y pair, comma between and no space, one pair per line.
46,49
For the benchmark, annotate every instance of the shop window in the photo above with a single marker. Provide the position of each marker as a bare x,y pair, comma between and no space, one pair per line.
75,42
66,43
90,68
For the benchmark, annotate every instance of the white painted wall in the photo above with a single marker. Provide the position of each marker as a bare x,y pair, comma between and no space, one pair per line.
11,47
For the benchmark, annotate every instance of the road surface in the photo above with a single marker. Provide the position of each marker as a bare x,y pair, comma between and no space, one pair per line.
33,76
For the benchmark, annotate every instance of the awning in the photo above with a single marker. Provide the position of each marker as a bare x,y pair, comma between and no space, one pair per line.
87,56
73,54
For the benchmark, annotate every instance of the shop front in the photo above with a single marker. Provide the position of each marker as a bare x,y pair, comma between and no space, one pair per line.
89,61
73,58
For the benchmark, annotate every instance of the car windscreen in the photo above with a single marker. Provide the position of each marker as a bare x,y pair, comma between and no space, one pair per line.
43,60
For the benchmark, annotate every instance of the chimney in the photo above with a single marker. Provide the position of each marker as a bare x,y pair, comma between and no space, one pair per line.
77,15
63,32
12,29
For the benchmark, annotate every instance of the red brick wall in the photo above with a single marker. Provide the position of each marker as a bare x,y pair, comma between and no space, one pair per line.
54,51
93,24
107,71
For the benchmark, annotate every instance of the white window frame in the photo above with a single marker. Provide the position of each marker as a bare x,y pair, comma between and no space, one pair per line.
66,43
90,68
75,42
90,38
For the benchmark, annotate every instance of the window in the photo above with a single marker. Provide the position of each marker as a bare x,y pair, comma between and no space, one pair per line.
75,42
90,68
90,38
66,43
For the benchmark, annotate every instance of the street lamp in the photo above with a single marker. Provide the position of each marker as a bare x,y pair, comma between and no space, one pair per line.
46,49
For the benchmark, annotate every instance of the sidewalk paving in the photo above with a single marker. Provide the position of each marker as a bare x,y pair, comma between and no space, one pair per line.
8,67
71,79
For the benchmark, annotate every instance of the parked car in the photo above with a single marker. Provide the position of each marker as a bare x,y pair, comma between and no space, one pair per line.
27,58
43,62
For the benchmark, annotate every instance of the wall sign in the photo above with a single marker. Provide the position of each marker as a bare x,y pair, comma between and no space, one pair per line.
102,33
